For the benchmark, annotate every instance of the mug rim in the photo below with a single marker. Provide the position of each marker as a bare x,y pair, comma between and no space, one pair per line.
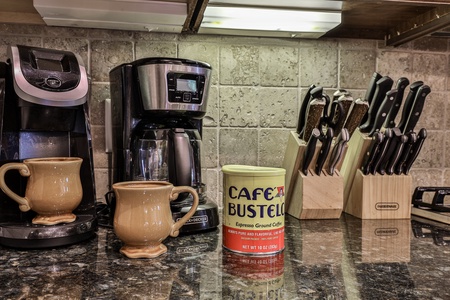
54,159
141,184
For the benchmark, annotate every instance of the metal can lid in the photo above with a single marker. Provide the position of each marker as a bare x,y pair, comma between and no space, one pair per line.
245,170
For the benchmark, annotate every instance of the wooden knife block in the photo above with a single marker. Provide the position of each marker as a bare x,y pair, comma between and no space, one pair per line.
373,196
312,196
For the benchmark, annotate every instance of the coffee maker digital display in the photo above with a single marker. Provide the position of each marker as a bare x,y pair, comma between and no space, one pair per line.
157,107
44,113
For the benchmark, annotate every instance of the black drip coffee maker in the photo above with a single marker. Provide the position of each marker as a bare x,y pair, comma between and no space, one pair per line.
44,113
157,106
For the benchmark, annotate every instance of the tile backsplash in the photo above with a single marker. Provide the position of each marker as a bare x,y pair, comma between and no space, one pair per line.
257,87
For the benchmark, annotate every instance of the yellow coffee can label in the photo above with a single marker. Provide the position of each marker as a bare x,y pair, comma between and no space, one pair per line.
253,209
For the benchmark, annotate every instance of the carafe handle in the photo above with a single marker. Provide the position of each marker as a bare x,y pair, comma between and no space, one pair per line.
24,205
174,195
182,156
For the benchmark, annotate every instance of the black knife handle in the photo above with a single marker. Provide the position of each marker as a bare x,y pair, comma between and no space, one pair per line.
402,83
383,111
324,150
415,150
371,153
387,139
396,155
417,107
310,150
409,101
383,86
396,135
302,113
369,93
412,139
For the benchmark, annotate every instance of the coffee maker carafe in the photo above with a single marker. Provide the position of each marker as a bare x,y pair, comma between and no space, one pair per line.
157,107
44,113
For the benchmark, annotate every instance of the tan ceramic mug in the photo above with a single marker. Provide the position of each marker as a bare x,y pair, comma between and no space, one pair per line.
53,188
143,219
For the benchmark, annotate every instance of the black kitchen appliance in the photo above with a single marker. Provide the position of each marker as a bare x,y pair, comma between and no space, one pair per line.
44,113
157,107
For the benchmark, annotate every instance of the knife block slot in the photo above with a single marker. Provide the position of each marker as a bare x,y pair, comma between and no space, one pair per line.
317,197
380,196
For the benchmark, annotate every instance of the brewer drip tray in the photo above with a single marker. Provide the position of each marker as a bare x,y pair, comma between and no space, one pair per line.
32,236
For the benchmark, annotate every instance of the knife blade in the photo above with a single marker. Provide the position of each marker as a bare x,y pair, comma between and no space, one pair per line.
396,154
313,116
383,111
396,134
327,140
408,103
382,87
310,150
416,109
338,150
412,139
402,83
415,150
340,115
387,139
357,112
302,113
369,92
372,153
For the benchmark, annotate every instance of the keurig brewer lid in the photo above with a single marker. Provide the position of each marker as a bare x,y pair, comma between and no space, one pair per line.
48,77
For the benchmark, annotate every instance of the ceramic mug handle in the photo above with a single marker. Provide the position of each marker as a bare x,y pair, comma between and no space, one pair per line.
24,205
174,195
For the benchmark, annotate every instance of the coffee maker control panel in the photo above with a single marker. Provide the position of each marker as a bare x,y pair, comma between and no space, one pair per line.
185,88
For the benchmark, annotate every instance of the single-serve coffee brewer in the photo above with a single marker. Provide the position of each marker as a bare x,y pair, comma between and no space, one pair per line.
157,106
44,113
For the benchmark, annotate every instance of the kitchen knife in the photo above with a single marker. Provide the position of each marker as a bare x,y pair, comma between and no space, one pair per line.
416,109
402,83
357,112
387,138
382,87
313,116
303,108
396,135
370,92
340,116
396,154
412,139
415,150
383,111
338,150
327,140
310,150
372,153
407,105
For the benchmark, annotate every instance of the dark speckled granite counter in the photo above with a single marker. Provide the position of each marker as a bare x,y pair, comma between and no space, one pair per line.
324,259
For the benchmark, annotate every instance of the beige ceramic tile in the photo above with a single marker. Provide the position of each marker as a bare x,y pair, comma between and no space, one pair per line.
431,69
239,65
238,146
319,65
105,55
206,52
211,118
239,106
146,49
356,68
278,107
279,66
272,147
99,92
209,148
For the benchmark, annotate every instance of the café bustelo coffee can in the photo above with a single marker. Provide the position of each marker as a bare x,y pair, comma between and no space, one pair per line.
253,209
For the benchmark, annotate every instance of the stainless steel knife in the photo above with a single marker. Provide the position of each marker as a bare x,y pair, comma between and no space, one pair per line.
310,150
396,135
402,83
415,150
357,112
408,103
302,113
370,92
416,109
383,111
396,154
313,116
340,116
382,150
412,139
338,150
382,87
372,153
327,140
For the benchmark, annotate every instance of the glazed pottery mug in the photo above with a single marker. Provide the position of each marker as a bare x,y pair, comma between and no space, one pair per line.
143,219
53,188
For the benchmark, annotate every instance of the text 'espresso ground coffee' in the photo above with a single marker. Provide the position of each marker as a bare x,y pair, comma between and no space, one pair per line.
253,209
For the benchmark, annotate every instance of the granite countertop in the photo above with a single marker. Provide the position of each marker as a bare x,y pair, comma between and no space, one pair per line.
323,259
